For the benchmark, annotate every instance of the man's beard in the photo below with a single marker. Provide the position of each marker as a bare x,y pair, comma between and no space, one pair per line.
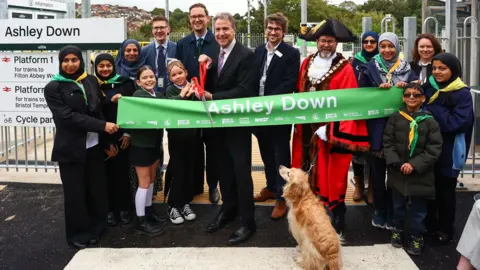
325,54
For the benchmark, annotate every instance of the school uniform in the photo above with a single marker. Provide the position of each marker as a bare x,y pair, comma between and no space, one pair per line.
182,149
76,108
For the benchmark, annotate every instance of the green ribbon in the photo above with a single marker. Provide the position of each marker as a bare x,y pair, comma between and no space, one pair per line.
432,81
298,108
60,78
379,60
413,135
360,57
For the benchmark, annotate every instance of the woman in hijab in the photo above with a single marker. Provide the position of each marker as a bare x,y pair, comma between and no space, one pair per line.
384,70
130,59
113,87
426,46
369,50
73,98
450,102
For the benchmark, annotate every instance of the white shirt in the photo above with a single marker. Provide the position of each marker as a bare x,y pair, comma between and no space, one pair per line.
92,139
204,35
266,65
423,78
320,66
227,51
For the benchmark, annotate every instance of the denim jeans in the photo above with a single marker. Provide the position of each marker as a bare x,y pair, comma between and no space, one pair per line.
414,207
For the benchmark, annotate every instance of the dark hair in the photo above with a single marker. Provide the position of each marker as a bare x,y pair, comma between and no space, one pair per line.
277,18
226,16
436,46
198,5
160,19
413,85
142,69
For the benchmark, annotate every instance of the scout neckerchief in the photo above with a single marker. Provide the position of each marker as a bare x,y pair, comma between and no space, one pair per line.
380,61
360,57
60,78
413,135
113,80
453,86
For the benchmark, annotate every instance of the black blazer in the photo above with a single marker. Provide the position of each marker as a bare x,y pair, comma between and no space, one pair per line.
187,52
73,119
238,76
282,73
417,69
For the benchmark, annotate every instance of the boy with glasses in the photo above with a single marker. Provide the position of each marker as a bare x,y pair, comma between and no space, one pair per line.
412,144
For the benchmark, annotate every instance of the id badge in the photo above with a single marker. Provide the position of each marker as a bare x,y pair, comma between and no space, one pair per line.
262,86
160,82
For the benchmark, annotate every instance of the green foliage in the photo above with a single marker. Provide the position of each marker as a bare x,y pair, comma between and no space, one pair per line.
348,13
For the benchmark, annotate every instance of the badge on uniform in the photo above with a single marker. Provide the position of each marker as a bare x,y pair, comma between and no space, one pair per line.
279,54
160,82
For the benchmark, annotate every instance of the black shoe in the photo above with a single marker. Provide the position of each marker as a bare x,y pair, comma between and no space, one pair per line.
219,222
397,239
144,226
415,245
214,195
125,217
339,218
77,245
241,235
442,238
112,219
150,214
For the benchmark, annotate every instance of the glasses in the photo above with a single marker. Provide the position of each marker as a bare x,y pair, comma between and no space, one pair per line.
329,42
407,95
271,29
370,41
200,17
159,28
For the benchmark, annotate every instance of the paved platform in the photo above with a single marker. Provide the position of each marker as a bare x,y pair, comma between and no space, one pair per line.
32,234
365,257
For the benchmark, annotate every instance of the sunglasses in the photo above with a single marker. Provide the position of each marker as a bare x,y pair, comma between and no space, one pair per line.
407,95
370,41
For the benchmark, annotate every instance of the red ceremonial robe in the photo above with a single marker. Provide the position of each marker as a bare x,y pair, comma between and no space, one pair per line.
329,174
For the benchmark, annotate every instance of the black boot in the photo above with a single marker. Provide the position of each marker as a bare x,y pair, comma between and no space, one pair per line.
154,218
339,217
111,219
144,226
125,217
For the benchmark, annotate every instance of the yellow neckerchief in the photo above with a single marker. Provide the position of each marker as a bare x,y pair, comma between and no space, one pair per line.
413,134
453,86
381,62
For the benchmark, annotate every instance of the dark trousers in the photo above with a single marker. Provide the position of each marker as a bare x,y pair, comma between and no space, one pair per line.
233,150
441,211
85,197
414,207
274,144
205,161
357,169
118,183
382,196
180,171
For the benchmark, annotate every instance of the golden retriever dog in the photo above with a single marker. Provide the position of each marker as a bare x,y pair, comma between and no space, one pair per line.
318,242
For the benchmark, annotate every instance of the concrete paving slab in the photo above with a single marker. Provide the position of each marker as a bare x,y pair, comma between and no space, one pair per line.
354,258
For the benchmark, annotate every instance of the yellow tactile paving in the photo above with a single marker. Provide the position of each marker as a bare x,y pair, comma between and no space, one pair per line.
258,182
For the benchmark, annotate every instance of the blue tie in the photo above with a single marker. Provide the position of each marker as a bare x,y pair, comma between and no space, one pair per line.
161,62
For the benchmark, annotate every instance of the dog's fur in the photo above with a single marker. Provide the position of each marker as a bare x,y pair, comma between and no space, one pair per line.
318,242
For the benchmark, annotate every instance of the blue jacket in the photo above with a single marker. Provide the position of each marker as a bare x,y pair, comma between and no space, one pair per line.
151,57
187,52
454,114
358,67
370,77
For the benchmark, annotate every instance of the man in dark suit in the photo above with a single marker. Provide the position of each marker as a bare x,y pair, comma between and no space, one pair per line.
279,64
160,52
189,48
231,76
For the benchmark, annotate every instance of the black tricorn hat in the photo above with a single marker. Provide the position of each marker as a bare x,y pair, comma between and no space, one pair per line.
329,27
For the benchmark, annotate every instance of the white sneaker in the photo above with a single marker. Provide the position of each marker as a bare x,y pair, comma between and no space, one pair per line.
188,213
175,216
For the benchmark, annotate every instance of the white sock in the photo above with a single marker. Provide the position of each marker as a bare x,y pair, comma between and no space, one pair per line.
140,198
149,198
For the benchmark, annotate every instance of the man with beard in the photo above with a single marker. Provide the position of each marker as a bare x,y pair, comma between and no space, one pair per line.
328,147
200,41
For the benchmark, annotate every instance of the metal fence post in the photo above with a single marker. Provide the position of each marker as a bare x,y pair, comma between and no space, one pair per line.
366,24
451,25
409,33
